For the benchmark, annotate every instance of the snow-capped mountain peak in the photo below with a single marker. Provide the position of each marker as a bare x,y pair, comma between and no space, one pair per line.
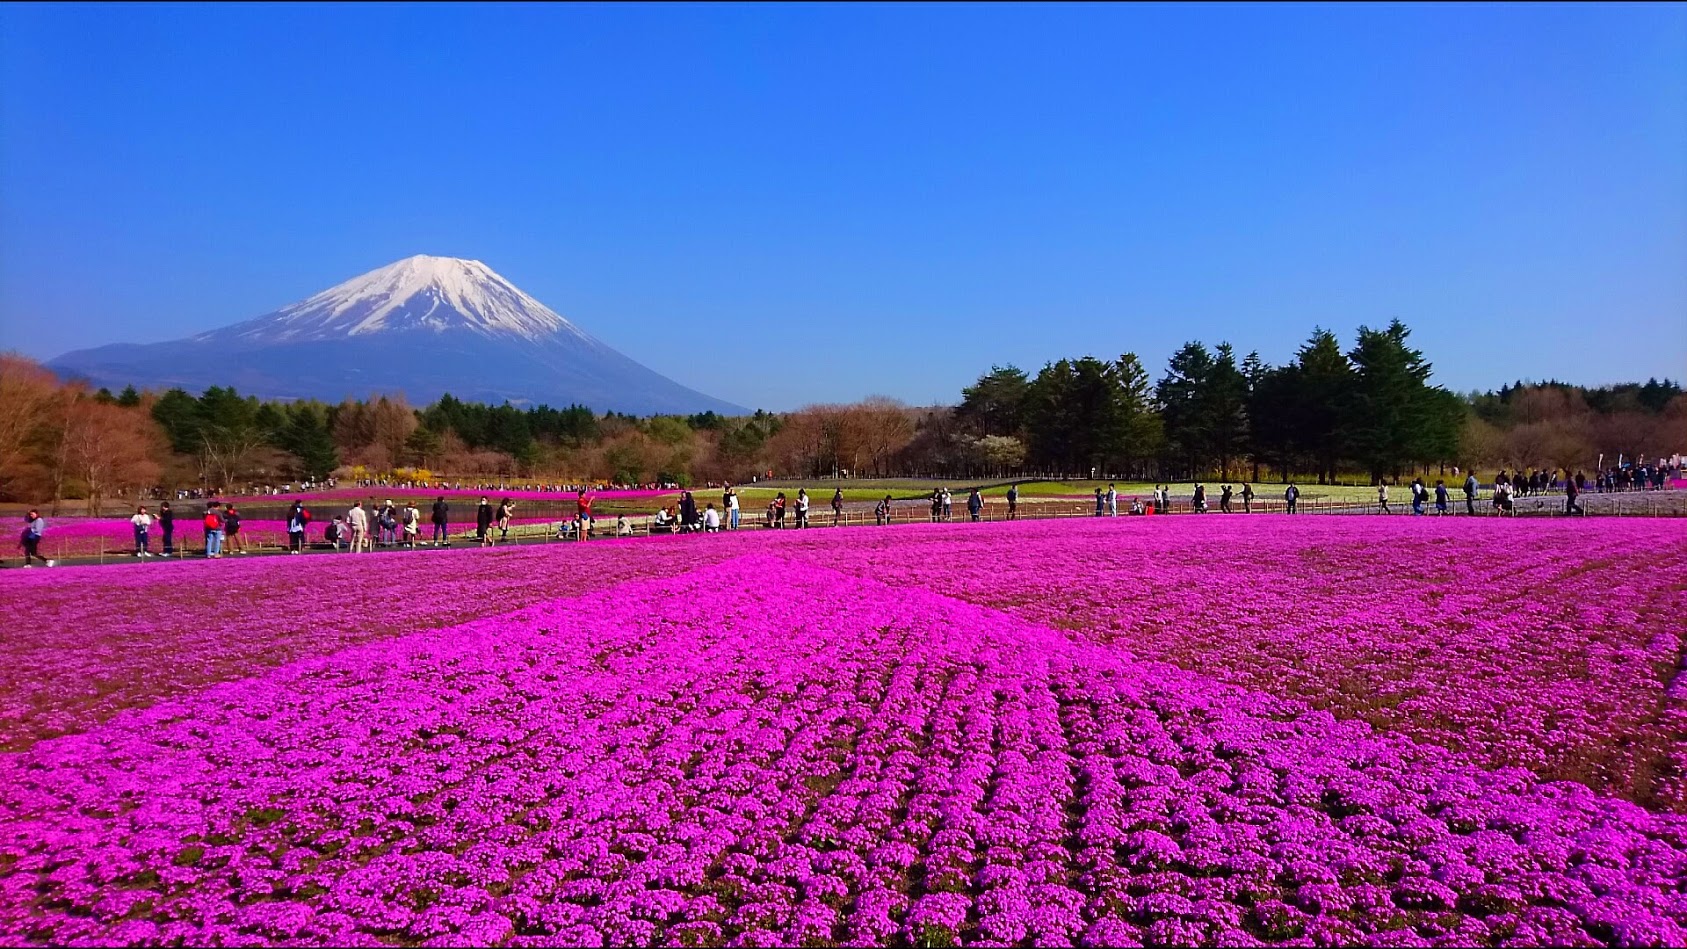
417,293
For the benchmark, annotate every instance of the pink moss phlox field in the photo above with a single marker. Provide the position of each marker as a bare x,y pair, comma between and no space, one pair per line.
83,643
766,752
1552,645
88,536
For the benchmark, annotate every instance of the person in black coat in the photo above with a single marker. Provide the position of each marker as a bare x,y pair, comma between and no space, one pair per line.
483,522
167,524
441,517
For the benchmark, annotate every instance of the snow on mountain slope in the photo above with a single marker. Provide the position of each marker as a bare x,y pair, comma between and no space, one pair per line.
423,326
417,293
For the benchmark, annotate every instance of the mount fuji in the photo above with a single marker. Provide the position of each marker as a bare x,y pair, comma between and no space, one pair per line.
423,326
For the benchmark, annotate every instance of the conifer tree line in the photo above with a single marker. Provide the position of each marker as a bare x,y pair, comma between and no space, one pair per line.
1365,412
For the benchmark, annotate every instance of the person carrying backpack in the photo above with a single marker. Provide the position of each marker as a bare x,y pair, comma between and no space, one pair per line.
213,531
297,518
34,529
441,515
387,525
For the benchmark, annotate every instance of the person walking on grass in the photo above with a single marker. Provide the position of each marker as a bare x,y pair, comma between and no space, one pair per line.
837,506
1013,501
975,504
213,531
1440,497
232,541
441,521
297,518
1247,498
1224,499
142,522
1382,497
167,526
357,520
34,529
1291,495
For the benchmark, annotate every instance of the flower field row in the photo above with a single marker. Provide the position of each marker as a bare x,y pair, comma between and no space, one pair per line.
96,536
716,758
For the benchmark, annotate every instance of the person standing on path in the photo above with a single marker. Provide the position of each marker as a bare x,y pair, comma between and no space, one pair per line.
296,520
882,511
1112,501
1419,495
732,508
583,501
232,541
802,508
1470,492
1200,503
1013,501
975,504
1291,495
167,525
386,524
34,529
1247,498
1224,499
412,525
143,524
1440,497
1100,503
357,519
948,505
441,522
213,531
837,506
936,505
1382,497
1571,492
483,522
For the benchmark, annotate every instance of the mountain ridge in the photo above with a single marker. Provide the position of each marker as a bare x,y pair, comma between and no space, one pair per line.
423,325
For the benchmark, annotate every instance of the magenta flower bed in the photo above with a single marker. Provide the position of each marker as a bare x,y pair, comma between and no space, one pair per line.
715,759
1393,731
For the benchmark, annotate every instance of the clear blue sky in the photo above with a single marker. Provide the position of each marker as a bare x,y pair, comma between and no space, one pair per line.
780,205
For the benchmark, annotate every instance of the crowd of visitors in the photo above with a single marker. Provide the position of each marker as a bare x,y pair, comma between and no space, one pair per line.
387,524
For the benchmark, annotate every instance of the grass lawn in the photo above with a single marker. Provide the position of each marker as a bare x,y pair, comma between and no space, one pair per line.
907,489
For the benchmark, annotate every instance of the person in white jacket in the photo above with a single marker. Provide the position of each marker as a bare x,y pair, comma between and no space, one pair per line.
143,524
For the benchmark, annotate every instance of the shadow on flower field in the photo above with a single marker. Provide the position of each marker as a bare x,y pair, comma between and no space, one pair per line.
1106,732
